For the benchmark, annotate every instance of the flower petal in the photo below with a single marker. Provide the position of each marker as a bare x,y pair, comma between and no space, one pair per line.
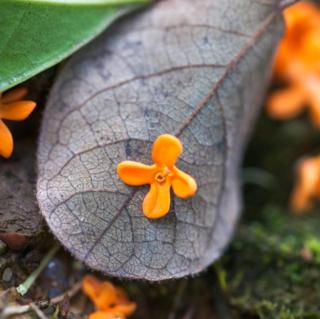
135,174
102,294
16,111
183,184
156,204
91,286
166,150
286,103
6,141
306,186
313,84
107,296
126,309
315,112
14,95
122,296
105,315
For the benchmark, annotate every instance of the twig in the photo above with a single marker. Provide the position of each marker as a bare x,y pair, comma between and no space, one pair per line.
39,313
23,288
20,309
14,310
69,294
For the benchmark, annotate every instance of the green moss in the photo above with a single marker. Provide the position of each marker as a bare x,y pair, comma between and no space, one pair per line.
266,274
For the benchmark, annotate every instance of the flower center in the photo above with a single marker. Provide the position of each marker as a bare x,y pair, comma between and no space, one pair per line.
160,177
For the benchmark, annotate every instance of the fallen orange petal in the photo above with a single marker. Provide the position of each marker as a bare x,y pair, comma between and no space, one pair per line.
166,150
105,315
11,108
156,204
102,294
286,103
126,309
135,174
183,184
297,63
313,86
307,185
6,141
17,111
14,95
111,302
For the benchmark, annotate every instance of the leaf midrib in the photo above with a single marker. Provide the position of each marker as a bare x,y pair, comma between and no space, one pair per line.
230,66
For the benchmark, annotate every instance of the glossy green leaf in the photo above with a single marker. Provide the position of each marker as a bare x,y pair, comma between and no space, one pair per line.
36,34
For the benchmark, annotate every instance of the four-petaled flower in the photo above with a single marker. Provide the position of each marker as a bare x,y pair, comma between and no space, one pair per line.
12,108
161,176
111,302
297,63
307,187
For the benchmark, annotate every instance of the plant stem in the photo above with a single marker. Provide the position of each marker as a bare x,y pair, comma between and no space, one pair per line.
23,288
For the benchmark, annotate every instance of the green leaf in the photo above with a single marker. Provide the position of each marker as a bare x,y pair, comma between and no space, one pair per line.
36,34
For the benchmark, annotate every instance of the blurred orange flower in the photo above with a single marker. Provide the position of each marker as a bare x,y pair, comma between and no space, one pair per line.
111,302
12,108
307,186
297,63
161,176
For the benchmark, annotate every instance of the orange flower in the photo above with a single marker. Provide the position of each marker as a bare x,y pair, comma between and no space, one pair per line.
161,176
111,302
298,64
307,187
12,108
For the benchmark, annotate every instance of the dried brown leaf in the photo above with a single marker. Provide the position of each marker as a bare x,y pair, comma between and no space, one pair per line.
193,68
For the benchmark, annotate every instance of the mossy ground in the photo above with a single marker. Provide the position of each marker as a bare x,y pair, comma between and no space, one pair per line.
272,268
